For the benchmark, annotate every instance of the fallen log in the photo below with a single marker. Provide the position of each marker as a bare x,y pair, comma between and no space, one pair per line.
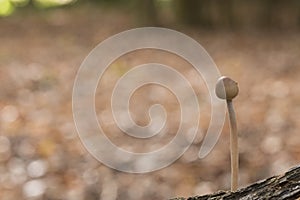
283,187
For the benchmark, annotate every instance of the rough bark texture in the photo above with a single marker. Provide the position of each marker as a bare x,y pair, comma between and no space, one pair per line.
283,187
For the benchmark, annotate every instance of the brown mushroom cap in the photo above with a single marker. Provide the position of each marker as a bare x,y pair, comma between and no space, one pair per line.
226,88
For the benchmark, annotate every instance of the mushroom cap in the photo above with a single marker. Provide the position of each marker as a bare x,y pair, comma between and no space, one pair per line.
226,88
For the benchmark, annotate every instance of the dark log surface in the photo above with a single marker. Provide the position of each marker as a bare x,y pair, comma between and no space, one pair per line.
283,187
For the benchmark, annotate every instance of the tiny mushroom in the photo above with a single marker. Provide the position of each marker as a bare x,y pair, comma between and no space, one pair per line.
227,89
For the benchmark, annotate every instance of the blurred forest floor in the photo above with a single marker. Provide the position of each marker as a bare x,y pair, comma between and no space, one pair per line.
41,156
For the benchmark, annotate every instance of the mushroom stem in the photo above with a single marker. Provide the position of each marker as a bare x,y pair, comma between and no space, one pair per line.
234,154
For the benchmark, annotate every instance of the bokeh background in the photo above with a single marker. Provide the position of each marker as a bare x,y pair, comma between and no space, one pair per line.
43,43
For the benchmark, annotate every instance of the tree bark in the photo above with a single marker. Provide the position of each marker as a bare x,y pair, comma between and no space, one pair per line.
283,187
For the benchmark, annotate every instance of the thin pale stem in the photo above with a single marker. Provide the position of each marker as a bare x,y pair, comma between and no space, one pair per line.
234,153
